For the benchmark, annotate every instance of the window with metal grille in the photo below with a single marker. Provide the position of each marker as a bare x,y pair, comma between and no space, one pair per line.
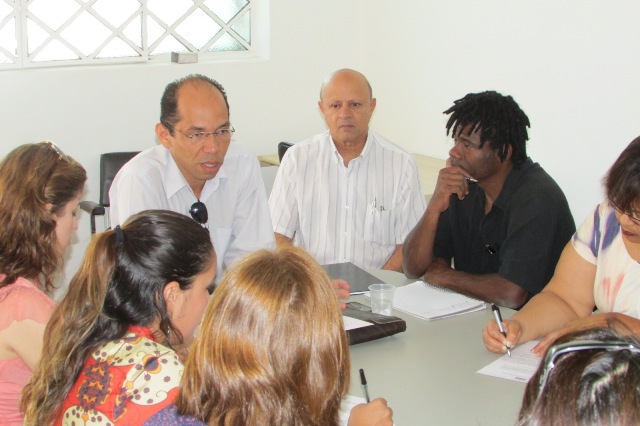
37,33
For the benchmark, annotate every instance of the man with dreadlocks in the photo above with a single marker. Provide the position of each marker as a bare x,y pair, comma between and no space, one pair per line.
495,215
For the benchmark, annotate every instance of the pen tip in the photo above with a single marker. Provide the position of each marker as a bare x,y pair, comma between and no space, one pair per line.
362,378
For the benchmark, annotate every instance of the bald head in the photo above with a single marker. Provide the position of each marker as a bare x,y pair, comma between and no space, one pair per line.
346,76
347,106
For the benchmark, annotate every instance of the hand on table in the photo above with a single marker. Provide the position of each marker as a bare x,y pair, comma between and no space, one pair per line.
592,321
342,291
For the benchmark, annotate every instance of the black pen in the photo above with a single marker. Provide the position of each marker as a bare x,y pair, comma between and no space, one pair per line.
365,388
498,317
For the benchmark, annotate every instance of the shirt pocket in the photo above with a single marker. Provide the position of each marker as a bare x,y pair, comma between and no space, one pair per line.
378,227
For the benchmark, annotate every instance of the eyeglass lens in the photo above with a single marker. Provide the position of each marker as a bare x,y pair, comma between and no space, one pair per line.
198,212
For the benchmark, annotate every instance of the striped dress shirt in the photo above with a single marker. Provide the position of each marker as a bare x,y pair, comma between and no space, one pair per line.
352,214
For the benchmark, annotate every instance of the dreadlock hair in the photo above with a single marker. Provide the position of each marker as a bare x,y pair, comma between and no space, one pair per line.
499,119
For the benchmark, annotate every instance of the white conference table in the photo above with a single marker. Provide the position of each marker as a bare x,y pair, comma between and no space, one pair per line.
428,373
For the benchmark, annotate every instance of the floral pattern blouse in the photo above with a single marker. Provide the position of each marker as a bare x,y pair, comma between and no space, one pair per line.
123,382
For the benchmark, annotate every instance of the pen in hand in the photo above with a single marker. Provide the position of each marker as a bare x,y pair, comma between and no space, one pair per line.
498,317
365,388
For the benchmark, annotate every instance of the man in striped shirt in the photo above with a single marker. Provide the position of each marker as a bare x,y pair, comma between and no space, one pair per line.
347,194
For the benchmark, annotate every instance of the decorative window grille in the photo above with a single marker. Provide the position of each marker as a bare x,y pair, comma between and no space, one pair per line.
36,33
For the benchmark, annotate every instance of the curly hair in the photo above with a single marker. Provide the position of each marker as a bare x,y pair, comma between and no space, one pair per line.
499,119
169,114
271,348
119,284
37,181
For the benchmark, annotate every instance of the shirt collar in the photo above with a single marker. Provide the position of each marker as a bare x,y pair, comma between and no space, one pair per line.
175,180
363,154
509,183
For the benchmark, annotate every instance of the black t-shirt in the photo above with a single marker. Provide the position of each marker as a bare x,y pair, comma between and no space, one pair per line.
521,238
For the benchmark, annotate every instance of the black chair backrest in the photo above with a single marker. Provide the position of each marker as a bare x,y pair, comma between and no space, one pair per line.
110,164
282,149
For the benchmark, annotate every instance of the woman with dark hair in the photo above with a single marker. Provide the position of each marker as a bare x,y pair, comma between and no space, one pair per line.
110,348
271,350
40,189
598,267
588,377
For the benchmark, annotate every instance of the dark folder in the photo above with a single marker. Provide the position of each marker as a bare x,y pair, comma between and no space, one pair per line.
359,280
381,325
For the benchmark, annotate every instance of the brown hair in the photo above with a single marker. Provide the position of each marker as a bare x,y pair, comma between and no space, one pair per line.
586,387
32,177
119,284
622,182
272,347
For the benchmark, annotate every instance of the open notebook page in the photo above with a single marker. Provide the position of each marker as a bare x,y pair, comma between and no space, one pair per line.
428,302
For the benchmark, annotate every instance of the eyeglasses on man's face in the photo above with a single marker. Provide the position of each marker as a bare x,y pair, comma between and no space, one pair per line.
557,351
630,215
221,135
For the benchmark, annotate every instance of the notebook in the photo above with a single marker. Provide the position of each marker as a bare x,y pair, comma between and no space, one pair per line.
362,325
429,302
359,280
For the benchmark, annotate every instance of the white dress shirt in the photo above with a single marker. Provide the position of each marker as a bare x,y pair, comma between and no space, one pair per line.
239,221
352,214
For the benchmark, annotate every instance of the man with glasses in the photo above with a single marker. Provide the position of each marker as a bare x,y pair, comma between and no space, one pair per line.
347,194
197,171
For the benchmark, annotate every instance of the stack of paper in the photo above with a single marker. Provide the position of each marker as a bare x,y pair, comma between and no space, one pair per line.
428,302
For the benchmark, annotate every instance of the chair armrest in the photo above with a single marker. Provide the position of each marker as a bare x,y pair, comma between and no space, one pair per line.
92,208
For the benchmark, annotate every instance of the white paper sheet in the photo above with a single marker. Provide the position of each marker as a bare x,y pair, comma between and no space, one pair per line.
428,302
347,404
519,367
353,323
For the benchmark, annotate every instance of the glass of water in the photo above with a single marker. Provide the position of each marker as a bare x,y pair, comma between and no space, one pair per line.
382,298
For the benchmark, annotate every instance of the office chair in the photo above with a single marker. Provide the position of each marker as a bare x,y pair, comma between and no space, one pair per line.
282,149
110,164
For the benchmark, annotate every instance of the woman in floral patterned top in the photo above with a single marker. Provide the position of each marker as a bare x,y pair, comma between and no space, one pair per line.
598,267
109,354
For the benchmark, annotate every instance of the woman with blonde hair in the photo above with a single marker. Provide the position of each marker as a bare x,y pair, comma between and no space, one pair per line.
40,188
109,352
271,350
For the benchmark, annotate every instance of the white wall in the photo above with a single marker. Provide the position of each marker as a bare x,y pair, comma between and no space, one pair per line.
574,67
